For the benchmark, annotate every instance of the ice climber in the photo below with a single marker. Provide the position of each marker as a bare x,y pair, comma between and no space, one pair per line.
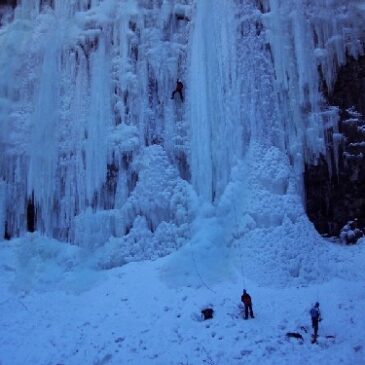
246,300
178,89
316,318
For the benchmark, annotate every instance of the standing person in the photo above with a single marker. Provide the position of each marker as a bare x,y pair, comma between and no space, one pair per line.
178,89
246,300
316,318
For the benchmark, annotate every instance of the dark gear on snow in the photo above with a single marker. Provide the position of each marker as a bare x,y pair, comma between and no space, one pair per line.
246,300
178,89
207,313
296,335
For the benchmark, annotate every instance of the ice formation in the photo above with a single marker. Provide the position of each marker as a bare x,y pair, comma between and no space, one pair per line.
94,151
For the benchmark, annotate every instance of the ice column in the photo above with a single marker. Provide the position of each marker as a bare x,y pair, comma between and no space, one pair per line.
43,144
213,98
99,121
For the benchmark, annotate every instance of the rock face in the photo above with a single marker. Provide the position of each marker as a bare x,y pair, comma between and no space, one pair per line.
6,10
334,200
8,3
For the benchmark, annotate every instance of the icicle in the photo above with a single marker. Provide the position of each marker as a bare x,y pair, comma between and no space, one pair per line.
98,121
213,99
43,143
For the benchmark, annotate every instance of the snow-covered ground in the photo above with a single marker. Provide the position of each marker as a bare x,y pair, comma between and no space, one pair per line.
57,309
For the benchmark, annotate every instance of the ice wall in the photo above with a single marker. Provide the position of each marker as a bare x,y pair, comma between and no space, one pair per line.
91,140
84,94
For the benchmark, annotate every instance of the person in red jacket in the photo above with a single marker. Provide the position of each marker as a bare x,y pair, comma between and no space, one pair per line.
246,300
178,89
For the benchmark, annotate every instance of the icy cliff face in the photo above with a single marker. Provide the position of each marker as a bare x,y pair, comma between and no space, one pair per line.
85,90
93,150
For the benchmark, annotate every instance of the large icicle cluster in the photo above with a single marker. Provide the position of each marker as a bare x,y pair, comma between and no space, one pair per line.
257,73
92,148
84,92
309,41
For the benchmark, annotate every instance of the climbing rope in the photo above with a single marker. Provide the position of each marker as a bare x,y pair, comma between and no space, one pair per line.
198,273
242,268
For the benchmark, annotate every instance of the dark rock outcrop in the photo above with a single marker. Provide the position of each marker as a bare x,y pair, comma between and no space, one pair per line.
333,200
11,3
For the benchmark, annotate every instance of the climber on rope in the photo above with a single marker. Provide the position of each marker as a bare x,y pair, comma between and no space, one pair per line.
246,300
316,318
178,89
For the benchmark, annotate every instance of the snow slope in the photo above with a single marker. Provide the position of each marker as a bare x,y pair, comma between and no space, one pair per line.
55,310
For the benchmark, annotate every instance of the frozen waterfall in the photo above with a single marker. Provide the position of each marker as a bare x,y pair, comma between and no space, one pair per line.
95,152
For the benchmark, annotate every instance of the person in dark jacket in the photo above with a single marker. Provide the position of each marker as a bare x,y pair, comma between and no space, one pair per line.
178,89
246,300
316,318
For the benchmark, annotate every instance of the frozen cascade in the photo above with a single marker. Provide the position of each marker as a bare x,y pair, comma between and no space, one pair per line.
214,98
44,129
98,121
88,93
89,131
309,41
